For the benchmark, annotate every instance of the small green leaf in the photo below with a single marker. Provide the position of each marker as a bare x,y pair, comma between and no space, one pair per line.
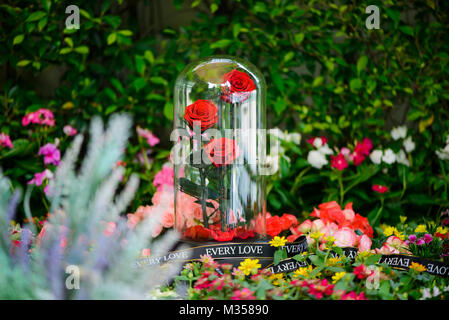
111,38
168,110
23,63
221,44
355,84
36,16
213,7
18,39
361,63
159,80
65,50
126,33
82,49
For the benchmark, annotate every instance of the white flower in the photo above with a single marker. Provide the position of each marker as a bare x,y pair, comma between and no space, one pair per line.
399,132
316,159
376,156
401,157
294,137
436,291
317,142
426,294
325,150
443,154
409,145
389,156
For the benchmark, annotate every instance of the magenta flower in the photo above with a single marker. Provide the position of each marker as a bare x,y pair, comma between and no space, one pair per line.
41,116
147,134
412,238
5,141
51,154
379,188
69,130
40,176
428,238
420,241
164,177
339,162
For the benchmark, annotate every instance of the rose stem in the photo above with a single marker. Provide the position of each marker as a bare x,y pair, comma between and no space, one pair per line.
203,198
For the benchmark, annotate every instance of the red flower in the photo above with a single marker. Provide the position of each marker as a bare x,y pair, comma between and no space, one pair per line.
362,271
339,162
274,226
236,86
222,151
288,220
203,111
243,233
379,188
362,224
223,235
197,233
331,212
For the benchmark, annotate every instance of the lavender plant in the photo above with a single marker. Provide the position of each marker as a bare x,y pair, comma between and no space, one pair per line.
76,241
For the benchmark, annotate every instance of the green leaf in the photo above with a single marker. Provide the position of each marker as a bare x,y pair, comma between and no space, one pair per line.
159,80
372,259
65,50
126,33
82,49
69,41
148,55
361,63
111,38
355,84
407,30
18,39
36,16
299,37
213,7
23,63
139,84
221,44
168,110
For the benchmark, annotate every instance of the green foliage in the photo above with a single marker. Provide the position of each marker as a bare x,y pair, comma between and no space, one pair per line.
326,74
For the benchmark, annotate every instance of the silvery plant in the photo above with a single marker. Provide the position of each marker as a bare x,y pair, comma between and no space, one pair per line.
78,257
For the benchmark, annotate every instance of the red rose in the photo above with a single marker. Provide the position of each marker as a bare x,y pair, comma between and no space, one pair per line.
237,86
222,151
203,111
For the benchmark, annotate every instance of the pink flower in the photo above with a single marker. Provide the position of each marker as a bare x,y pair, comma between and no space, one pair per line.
41,116
147,134
339,162
304,227
164,177
40,176
146,252
5,141
345,237
428,238
244,294
69,130
379,188
51,154
364,243
317,225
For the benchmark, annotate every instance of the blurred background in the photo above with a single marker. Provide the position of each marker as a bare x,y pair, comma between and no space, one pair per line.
327,76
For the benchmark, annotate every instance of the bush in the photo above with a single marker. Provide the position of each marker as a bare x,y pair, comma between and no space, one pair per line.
327,75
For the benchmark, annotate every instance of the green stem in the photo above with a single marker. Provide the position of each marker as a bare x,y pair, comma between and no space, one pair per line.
203,197
379,211
340,184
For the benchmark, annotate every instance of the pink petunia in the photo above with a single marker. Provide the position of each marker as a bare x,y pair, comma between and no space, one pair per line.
69,130
41,116
148,135
5,141
51,154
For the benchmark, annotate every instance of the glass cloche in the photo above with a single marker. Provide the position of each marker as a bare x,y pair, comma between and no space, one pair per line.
220,143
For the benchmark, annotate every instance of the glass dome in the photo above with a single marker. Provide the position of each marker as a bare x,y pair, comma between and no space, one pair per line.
219,136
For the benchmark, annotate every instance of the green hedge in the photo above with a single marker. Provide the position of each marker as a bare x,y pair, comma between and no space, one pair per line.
327,74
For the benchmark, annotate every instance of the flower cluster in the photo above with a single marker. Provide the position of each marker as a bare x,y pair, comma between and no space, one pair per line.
42,116
336,225
5,141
